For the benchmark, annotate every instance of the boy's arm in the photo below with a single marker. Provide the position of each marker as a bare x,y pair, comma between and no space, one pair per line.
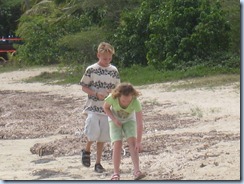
89,91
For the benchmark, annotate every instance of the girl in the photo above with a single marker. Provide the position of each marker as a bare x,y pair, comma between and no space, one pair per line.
125,117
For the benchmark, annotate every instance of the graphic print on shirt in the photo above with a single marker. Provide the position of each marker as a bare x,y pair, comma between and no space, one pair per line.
101,80
122,114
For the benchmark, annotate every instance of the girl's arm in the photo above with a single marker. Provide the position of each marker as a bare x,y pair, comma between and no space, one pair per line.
107,110
139,130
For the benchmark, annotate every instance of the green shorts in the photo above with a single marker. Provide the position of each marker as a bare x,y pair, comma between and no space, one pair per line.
127,129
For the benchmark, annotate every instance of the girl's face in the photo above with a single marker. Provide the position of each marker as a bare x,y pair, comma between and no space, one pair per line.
125,100
104,58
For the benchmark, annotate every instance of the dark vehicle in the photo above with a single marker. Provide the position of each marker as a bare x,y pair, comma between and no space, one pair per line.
6,45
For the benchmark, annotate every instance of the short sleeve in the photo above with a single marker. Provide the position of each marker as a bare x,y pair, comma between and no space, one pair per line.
137,105
109,99
86,79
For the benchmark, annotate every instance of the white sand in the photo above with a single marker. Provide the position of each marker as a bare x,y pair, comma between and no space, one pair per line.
218,110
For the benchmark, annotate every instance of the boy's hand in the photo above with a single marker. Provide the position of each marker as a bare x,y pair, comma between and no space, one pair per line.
101,96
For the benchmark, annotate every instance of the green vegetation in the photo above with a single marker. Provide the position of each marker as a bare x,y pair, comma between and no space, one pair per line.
10,11
137,75
155,40
197,112
173,34
146,75
169,35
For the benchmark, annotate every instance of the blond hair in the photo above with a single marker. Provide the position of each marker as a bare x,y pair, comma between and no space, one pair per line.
124,89
105,47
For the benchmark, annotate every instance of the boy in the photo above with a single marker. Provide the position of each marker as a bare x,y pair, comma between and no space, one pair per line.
98,80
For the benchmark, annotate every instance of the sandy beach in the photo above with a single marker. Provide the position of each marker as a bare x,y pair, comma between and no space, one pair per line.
189,134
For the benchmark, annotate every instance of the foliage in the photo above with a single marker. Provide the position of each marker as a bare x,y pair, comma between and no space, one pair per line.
80,47
10,11
167,34
140,75
171,34
43,33
233,11
66,31
187,30
39,37
133,32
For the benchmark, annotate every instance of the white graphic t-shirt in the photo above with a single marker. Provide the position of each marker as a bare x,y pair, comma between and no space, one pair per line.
99,79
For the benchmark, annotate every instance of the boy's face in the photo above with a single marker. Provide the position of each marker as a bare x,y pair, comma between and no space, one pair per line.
105,58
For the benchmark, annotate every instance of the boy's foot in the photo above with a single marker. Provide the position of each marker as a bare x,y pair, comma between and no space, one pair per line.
139,175
86,158
99,168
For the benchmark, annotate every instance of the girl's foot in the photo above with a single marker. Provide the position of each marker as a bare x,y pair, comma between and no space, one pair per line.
115,176
139,175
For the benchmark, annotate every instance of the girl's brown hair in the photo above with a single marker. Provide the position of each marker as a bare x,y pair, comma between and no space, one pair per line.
124,89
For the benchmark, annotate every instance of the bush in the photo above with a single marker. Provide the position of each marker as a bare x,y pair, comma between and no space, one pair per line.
186,30
81,47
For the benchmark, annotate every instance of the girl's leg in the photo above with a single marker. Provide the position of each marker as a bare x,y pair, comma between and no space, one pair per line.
117,155
135,159
134,154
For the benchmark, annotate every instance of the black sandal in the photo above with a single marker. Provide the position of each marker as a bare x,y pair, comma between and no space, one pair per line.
86,158
99,168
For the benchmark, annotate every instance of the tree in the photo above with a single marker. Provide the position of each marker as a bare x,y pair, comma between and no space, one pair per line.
133,32
61,29
10,12
185,30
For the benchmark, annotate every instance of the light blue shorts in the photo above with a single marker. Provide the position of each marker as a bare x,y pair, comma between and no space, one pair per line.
96,127
127,129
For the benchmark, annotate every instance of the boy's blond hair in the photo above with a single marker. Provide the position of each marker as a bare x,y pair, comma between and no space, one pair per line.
105,47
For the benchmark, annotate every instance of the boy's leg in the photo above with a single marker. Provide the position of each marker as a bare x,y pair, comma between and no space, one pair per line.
88,146
99,152
104,137
91,131
86,158
98,167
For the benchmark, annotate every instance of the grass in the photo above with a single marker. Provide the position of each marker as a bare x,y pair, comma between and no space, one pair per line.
193,77
49,78
196,111
147,75
137,75
8,67
208,81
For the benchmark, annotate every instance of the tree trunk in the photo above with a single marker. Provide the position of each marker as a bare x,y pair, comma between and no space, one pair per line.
27,4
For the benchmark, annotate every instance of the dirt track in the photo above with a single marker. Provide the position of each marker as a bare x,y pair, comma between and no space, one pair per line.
188,134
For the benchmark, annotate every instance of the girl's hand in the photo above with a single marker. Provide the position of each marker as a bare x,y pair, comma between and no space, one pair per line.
138,147
118,123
